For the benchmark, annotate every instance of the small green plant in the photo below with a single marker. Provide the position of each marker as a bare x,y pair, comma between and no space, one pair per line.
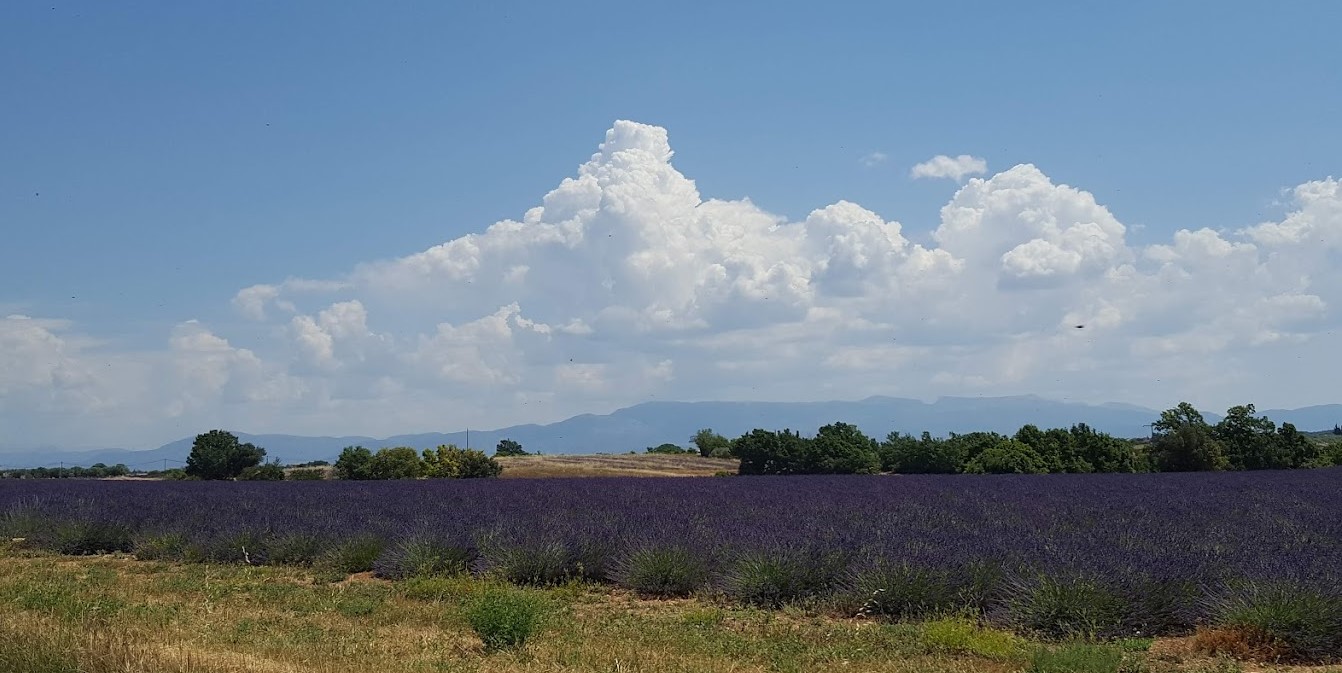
1078,658
504,617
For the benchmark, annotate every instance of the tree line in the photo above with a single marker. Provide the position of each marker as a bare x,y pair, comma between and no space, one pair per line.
220,455
94,471
1181,440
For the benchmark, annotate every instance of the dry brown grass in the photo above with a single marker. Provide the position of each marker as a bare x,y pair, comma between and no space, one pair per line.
118,615
1238,642
615,465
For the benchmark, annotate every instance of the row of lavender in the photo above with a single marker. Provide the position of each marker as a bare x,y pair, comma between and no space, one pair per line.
1098,554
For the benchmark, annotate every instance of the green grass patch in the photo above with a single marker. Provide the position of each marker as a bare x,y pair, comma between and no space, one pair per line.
960,635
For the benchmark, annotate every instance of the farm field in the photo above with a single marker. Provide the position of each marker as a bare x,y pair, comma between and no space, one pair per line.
1161,572
614,465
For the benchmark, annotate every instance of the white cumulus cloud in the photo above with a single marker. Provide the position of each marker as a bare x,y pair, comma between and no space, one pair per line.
626,283
955,168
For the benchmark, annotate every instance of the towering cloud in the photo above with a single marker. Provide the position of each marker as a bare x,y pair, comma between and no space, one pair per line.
625,284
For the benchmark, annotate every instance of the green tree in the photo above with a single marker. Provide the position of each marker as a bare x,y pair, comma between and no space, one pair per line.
1250,442
219,455
1100,452
450,461
924,455
1049,447
768,452
353,463
475,464
1296,450
401,462
968,446
1008,456
1184,442
711,444
507,447
841,448
443,462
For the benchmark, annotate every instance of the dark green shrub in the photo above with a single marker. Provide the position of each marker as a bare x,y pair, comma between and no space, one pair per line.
505,618
243,546
295,550
538,564
1159,606
356,555
1304,622
774,579
1065,607
423,556
901,591
665,571
79,538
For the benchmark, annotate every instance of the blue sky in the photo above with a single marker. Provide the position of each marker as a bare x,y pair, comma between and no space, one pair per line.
157,158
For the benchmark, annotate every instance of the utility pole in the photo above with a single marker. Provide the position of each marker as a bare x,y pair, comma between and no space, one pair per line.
468,438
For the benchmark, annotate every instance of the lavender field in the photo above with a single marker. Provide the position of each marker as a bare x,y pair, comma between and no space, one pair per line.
1057,555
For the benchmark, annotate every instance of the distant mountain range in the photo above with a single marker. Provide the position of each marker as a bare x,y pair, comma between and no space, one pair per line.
640,426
